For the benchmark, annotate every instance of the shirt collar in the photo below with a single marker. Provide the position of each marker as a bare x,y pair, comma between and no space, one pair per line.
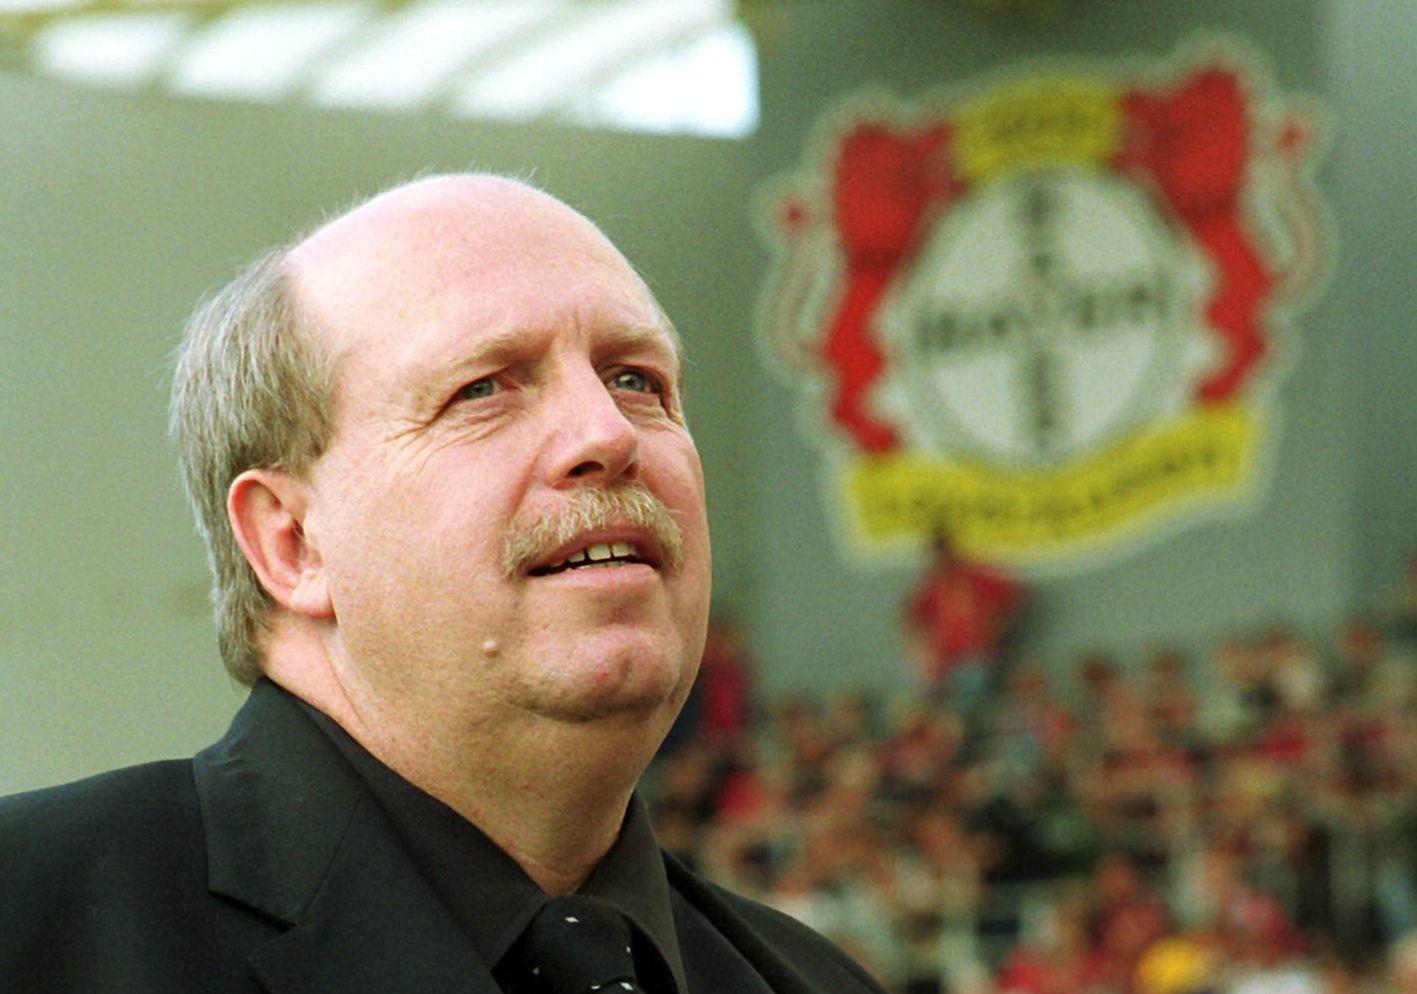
489,895
632,878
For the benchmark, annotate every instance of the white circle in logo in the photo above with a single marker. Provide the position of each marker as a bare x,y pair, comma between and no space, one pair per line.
1043,316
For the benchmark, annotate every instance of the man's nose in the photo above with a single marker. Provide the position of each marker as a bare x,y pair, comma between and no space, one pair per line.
594,441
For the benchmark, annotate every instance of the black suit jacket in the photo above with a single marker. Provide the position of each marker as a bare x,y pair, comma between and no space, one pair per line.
263,864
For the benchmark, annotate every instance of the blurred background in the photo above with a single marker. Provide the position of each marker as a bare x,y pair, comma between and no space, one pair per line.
1172,750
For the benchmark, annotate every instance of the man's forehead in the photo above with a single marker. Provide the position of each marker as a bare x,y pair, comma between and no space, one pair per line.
445,221
485,238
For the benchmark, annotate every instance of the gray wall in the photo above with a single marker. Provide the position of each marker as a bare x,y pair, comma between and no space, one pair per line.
117,212
1374,70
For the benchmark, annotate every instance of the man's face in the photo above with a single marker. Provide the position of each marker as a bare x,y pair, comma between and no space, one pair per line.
501,366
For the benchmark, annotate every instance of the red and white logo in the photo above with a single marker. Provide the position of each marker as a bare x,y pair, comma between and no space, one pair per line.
1041,312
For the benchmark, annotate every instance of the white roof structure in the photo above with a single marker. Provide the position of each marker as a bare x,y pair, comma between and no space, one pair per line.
667,66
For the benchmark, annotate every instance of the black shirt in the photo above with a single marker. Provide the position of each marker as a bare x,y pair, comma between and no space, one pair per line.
677,950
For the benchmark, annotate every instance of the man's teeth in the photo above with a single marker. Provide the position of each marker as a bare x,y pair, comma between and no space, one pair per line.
601,554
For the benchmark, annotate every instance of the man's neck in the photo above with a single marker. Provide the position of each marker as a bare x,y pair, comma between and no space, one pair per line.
556,825
554,799
550,794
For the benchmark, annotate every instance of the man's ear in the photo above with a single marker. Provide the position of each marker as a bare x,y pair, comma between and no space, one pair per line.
266,508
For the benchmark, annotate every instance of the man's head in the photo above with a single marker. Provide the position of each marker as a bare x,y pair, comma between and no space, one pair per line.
410,422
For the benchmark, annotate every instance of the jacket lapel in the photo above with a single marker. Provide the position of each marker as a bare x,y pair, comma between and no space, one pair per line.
765,950
292,833
780,975
373,926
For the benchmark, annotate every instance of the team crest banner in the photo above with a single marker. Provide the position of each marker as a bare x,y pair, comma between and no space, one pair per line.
1043,314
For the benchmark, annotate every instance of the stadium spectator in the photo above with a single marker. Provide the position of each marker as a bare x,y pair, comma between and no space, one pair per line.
958,621
1246,827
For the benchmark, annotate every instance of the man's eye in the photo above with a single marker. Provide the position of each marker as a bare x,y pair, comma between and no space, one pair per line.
478,389
635,380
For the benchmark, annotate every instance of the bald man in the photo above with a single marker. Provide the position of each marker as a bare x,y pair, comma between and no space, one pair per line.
438,454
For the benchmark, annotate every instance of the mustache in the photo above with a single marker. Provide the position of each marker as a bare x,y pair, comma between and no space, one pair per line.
589,510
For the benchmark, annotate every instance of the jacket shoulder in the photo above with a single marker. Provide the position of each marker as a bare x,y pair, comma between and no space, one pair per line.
132,832
85,822
93,870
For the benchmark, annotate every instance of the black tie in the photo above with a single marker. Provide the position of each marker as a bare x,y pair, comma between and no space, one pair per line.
574,945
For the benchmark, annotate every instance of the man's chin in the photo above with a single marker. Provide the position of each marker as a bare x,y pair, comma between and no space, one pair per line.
628,712
634,695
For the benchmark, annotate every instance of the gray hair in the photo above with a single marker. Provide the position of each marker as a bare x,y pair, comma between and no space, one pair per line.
253,388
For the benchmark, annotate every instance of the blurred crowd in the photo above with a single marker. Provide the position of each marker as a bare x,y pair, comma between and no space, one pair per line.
1244,821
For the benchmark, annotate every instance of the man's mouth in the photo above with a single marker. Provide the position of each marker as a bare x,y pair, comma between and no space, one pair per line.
597,555
624,527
